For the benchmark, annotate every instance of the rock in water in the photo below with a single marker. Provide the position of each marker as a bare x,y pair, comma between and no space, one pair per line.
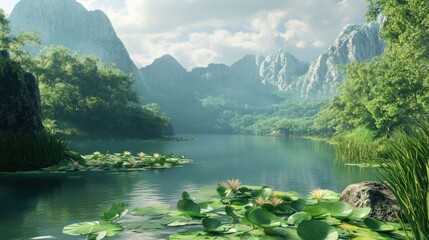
19,99
374,195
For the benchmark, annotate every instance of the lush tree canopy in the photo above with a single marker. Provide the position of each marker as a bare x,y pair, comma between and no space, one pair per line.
81,93
392,89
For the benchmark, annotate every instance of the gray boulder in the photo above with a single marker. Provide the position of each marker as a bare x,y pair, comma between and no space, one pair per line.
374,195
19,99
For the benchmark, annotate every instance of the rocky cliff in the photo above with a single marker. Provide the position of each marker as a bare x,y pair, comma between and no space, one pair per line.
19,99
68,23
282,70
354,43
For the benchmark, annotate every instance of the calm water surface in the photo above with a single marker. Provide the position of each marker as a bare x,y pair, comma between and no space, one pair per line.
41,205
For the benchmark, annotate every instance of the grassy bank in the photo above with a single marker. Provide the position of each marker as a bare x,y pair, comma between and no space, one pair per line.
30,152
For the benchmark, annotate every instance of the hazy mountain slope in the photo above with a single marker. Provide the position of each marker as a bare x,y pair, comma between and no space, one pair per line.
68,23
354,43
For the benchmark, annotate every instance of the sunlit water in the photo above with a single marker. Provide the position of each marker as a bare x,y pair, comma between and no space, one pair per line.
41,205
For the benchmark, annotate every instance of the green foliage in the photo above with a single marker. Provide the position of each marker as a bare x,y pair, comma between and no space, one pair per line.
30,152
14,43
98,230
390,90
407,172
251,213
291,116
80,92
358,145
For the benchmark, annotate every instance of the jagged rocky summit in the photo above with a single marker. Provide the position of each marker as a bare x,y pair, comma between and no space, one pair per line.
287,73
355,43
20,111
281,70
68,23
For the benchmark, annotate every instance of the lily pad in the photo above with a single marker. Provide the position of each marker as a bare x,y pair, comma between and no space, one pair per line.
299,204
316,230
115,212
378,226
317,210
340,210
298,217
262,218
87,228
211,224
360,213
187,205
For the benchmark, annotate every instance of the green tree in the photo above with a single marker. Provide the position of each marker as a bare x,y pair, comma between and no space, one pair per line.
392,89
14,43
82,93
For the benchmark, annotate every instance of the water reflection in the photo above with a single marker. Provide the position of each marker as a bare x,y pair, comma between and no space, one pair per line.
39,205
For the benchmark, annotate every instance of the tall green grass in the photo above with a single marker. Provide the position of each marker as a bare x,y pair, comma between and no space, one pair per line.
30,152
358,145
406,169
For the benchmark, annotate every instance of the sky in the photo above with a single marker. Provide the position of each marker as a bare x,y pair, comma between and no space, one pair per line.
199,32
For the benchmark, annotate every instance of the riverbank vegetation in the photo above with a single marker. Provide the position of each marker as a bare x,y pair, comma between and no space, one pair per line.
81,96
20,152
242,212
386,101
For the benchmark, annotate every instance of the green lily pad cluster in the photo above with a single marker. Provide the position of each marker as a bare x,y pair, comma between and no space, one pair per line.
120,161
97,230
246,212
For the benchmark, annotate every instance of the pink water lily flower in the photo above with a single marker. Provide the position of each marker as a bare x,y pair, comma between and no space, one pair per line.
233,184
260,201
224,185
276,201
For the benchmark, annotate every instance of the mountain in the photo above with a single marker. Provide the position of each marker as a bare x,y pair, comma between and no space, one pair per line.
68,23
181,94
317,80
282,69
354,43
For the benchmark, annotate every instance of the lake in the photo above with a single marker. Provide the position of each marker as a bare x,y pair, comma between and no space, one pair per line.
42,204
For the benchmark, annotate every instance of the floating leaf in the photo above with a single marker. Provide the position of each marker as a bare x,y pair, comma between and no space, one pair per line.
86,228
151,210
211,225
316,230
230,211
360,213
115,212
317,210
262,218
299,204
298,217
378,226
340,210
285,233
186,205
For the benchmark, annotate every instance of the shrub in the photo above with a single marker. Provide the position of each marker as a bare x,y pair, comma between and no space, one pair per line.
30,152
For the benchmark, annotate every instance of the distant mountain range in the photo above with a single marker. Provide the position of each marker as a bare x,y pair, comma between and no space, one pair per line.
251,80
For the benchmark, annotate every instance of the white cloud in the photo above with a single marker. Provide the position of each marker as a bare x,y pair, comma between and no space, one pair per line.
198,32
